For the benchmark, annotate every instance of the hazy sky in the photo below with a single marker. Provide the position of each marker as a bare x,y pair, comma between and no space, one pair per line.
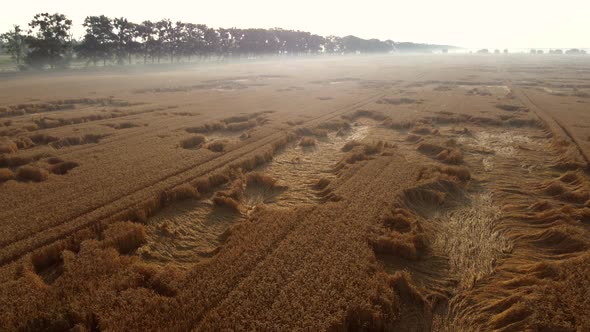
467,23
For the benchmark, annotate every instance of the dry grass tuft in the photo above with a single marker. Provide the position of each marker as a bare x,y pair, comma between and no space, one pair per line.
238,118
307,142
571,178
235,190
16,161
48,256
413,138
397,125
318,132
375,115
206,128
184,191
559,240
430,149
295,122
64,167
409,294
450,156
159,280
554,189
23,142
361,151
322,184
123,125
531,122
350,145
238,126
217,146
407,246
446,155
193,142
245,135
511,108
375,147
208,184
141,212
31,173
541,205
54,160
43,139
426,196
422,130
51,255
460,172
242,118
226,202
398,101
399,222
251,163
260,179
575,192
354,157
8,147
6,174
125,236
76,140
335,125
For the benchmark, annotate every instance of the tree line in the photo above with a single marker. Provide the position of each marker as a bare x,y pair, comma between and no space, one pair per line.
48,42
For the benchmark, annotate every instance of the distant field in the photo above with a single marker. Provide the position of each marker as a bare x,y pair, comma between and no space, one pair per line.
402,193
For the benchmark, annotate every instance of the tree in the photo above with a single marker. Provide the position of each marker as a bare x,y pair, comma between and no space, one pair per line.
13,42
227,41
212,42
333,44
125,44
575,51
98,41
253,41
164,31
315,43
50,42
146,32
193,41
177,41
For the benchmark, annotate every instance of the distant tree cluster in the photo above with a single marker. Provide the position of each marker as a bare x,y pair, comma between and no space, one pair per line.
49,43
573,51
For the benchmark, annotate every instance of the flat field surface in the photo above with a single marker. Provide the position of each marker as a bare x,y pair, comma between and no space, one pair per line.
418,193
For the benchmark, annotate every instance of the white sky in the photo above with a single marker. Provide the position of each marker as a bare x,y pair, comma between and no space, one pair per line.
467,23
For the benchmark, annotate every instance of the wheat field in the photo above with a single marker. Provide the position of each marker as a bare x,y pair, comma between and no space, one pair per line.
357,193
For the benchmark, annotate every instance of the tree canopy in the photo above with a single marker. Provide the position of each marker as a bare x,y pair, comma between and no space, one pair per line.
13,42
49,40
